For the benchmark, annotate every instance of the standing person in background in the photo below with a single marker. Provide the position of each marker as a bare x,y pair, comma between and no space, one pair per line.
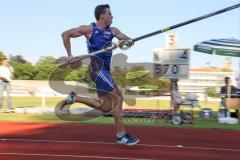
227,91
176,99
6,75
228,88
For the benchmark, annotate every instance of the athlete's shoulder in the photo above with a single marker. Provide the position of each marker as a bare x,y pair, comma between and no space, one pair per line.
115,30
85,28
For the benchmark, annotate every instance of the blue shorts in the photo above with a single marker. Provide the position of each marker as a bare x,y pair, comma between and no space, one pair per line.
103,80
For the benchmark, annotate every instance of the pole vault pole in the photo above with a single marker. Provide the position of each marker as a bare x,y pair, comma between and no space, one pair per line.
186,22
114,45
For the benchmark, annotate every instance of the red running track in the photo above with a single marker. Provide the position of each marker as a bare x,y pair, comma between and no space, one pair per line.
54,141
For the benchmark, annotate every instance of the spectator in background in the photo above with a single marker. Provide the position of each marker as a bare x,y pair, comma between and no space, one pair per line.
6,75
228,91
232,90
177,100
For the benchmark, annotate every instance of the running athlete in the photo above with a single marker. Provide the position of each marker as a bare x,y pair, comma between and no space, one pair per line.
99,35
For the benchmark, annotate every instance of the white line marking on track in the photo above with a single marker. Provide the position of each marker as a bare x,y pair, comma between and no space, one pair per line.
179,145
69,156
109,143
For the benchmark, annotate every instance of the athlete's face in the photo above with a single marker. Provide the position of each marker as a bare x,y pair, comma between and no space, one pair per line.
107,17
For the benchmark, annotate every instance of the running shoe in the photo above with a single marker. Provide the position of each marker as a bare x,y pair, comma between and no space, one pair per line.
127,140
70,99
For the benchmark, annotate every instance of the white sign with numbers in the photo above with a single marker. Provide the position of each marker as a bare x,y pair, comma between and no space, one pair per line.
171,63
171,40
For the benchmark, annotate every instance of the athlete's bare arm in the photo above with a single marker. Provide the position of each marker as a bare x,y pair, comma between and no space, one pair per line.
123,39
84,30
119,35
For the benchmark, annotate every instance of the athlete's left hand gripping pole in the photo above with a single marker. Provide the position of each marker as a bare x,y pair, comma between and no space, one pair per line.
78,59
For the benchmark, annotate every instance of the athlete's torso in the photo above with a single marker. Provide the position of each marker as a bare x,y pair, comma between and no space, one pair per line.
100,39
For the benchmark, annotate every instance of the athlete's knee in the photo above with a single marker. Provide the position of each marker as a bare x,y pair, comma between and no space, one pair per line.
105,107
121,99
117,101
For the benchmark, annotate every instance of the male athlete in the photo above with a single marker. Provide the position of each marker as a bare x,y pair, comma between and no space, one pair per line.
99,35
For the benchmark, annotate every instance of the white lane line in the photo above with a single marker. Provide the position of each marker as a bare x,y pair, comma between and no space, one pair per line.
192,147
109,143
70,156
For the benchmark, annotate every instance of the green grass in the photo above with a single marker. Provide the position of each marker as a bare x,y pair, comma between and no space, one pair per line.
198,122
13,117
34,101
140,103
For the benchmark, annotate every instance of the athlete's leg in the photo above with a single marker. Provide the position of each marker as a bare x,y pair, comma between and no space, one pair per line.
108,102
105,103
118,112
111,102
91,102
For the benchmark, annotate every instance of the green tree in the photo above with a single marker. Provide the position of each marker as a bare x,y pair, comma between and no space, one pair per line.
78,75
137,78
119,77
226,70
45,67
211,92
23,69
137,68
17,59
2,55
61,60
162,83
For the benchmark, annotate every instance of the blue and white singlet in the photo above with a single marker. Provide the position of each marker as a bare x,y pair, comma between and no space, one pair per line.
100,64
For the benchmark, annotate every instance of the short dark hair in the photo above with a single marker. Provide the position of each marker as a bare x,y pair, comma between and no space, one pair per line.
100,9
227,79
